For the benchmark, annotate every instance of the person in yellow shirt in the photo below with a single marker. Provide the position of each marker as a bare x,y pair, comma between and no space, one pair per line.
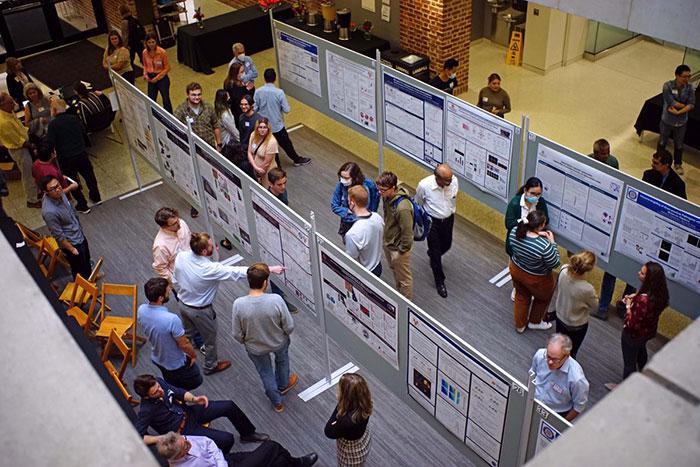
14,136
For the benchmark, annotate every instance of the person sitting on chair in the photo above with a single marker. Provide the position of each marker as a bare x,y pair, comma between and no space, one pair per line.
94,108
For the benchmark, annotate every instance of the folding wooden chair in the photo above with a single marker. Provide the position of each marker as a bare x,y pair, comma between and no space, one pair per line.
47,259
118,375
68,290
33,240
120,324
84,293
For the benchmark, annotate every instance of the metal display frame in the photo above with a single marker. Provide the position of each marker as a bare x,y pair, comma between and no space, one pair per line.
542,413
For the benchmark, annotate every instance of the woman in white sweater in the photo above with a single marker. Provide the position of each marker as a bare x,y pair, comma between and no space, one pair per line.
574,299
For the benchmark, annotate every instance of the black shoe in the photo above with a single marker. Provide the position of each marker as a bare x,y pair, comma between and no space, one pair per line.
194,213
442,290
309,459
255,438
599,315
302,161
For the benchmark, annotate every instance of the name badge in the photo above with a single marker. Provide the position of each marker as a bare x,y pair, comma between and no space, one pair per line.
484,99
247,123
674,92
558,389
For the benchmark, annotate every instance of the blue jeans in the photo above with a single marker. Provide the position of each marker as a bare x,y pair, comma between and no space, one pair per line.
607,287
678,133
274,381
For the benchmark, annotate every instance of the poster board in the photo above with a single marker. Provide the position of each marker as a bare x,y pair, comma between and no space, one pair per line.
546,427
351,90
299,62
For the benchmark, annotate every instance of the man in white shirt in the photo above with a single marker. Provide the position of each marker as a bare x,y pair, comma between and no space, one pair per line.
198,278
437,194
363,241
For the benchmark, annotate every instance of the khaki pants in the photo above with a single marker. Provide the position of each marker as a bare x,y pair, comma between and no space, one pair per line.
401,266
23,159
529,287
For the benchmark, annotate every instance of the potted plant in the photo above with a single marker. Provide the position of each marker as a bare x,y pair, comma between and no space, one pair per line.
367,27
266,5
299,9
199,17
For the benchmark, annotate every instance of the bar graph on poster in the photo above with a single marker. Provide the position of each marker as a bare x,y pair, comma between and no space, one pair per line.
351,90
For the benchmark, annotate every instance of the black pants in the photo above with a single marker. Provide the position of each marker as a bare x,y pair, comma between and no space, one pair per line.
268,454
576,334
134,50
198,414
80,263
285,143
162,86
634,353
129,76
439,242
186,377
81,165
378,270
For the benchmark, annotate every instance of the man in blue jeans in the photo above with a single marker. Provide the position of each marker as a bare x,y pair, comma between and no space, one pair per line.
262,323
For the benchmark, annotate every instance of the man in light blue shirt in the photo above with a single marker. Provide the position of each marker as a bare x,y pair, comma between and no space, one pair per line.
559,380
271,103
171,350
249,70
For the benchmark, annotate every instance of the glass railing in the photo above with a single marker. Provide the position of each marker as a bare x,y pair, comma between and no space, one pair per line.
602,36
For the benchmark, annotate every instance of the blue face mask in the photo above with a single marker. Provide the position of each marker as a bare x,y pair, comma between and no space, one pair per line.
532,199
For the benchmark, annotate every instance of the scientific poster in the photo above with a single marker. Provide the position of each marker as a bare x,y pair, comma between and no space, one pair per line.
479,147
546,435
298,62
582,201
351,90
653,230
285,242
413,120
136,124
224,193
466,397
360,307
174,149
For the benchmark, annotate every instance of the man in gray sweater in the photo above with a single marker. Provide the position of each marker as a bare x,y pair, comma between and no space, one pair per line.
262,323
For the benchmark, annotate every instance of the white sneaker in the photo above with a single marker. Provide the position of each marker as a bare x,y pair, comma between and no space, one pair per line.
512,295
542,326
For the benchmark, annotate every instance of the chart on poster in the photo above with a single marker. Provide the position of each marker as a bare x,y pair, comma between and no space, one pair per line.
653,230
466,397
360,307
413,120
174,149
137,126
479,147
582,201
224,193
351,90
298,62
285,242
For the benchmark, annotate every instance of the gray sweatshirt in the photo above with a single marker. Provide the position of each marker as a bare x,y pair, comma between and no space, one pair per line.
263,324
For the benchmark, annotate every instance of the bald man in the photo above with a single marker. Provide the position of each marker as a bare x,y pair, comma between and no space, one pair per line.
437,193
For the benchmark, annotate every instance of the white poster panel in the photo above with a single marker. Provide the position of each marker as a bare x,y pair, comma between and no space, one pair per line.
136,122
413,120
479,147
362,308
298,62
546,435
351,90
224,193
174,149
582,201
285,242
653,230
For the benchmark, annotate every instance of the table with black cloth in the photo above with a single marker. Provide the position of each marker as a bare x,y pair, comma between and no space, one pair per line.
203,49
650,115
357,41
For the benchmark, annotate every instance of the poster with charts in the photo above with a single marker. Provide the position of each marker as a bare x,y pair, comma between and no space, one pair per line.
413,120
174,150
136,123
582,201
284,241
469,399
653,230
360,307
479,147
298,62
224,193
351,90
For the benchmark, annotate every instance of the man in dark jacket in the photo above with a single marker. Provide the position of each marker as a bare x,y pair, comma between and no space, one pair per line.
661,174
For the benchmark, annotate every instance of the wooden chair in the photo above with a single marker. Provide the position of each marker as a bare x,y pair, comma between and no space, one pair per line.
33,240
120,324
68,290
85,293
118,375
47,258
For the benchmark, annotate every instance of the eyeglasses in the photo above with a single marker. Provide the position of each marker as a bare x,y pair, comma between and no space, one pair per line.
199,94
384,189
54,188
554,360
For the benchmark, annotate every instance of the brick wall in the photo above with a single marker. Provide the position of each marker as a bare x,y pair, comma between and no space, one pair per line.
440,29
111,10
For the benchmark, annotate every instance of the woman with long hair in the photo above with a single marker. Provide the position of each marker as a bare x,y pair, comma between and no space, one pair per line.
348,423
230,136
117,58
349,175
155,71
235,88
533,255
262,150
37,112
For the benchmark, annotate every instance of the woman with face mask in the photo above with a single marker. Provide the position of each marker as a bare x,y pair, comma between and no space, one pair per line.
446,80
349,175
493,98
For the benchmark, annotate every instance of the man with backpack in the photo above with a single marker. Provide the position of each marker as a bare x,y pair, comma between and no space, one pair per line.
398,231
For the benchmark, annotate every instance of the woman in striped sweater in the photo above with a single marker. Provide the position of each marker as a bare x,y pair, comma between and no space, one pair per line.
533,256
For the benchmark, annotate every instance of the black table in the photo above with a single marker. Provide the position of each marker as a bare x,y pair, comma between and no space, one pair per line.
203,49
649,116
357,41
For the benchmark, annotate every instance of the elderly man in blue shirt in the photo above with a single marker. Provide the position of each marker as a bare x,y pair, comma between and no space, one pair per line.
679,100
559,380
249,70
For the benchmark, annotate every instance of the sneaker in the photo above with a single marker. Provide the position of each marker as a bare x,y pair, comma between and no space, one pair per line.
679,169
293,380
279,408
292,309
512,295
96,203
220,366
521,330
203,349
34,205
308,460
302,161
84,210
541,326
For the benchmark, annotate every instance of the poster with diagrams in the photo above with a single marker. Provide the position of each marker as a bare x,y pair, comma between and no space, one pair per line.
285,242
653,230
136,123
351,90
479,146
298,62
582,201
174,150
413,120
360,307
466,397
224,193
